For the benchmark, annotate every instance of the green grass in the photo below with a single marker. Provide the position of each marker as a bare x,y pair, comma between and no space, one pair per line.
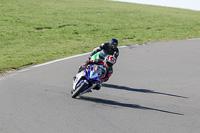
37,31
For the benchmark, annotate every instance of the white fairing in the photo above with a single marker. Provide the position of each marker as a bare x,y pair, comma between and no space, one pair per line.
78,76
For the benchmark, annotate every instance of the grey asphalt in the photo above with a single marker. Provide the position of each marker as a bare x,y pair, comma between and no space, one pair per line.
155,88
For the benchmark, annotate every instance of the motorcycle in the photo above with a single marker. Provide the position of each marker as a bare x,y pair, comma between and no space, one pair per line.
87,79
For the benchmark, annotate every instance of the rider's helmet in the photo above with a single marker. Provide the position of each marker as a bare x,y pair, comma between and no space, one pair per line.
109,61
113,43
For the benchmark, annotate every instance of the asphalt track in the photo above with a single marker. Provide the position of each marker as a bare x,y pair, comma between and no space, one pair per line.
155,88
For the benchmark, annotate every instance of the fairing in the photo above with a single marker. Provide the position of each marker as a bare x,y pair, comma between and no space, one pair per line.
92,74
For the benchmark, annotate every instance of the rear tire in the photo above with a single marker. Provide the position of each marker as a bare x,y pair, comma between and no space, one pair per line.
78,90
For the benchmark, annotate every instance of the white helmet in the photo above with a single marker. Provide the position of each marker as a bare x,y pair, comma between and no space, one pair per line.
109,60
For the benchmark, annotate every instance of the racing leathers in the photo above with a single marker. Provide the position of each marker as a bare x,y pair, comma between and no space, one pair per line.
106,50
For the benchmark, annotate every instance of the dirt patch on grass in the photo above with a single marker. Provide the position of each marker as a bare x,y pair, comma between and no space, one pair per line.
7,72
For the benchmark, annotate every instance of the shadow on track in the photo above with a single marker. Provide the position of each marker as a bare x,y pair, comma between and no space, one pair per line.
138,90
115,103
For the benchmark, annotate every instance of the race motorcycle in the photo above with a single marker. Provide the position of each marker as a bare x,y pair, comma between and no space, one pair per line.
87,79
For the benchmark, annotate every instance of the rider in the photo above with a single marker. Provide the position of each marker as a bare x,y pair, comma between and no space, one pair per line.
110,48
108,62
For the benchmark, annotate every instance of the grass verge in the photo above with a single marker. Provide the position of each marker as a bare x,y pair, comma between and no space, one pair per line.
33,32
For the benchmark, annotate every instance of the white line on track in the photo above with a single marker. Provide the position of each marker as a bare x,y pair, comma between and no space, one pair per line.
66,58
47,63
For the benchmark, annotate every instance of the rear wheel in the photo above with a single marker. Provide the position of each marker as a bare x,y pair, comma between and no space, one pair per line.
78,90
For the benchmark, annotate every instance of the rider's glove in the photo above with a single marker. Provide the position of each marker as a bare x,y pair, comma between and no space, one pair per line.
84,66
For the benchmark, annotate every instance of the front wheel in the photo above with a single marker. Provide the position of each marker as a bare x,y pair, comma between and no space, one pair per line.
78,90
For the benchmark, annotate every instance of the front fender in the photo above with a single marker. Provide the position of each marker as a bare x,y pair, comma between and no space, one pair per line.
79,76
